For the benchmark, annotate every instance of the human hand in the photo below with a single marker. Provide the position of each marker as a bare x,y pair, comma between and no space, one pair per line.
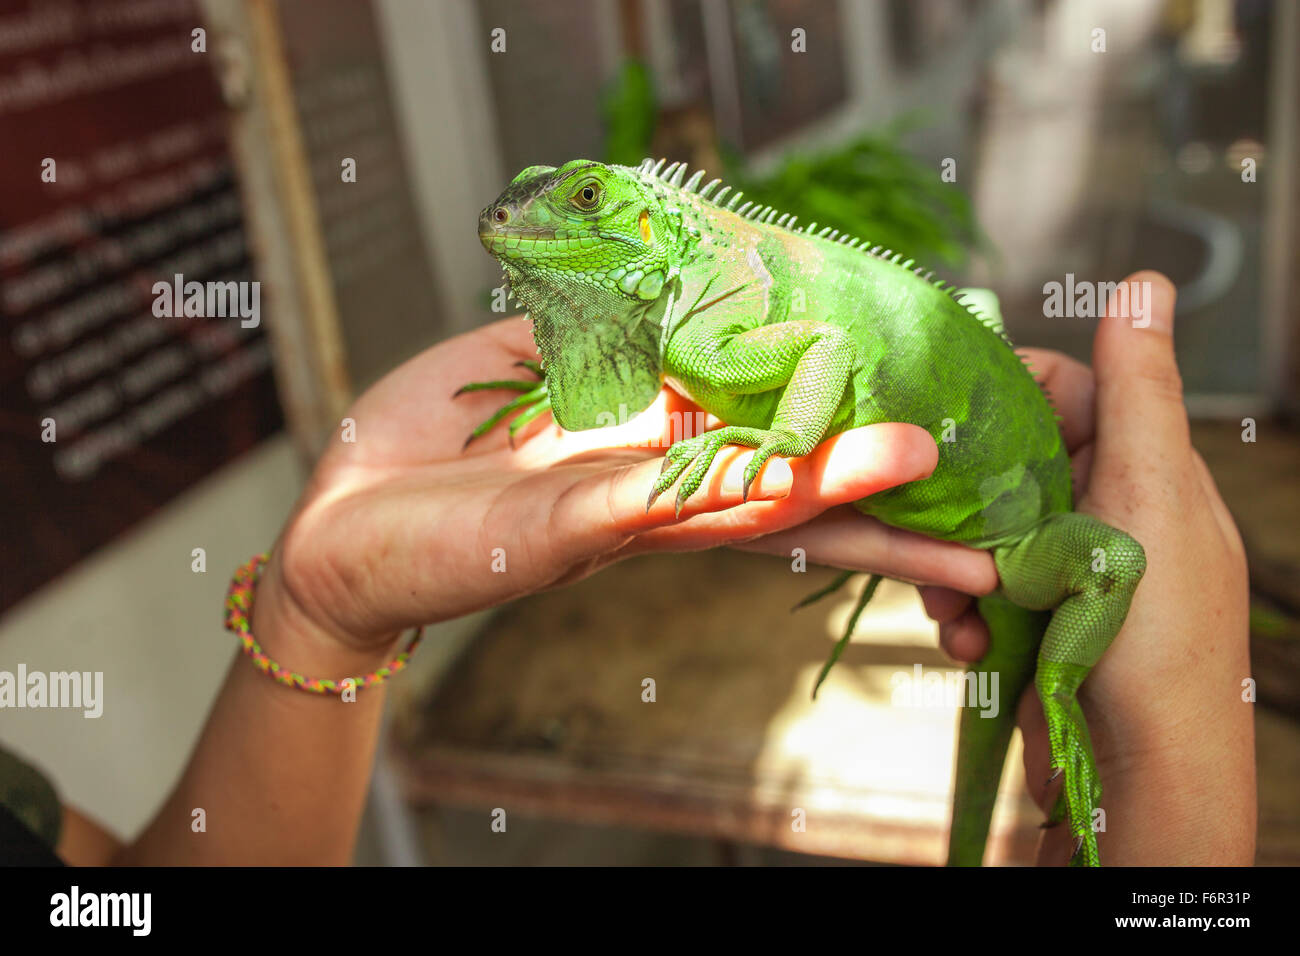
402,527
1173,739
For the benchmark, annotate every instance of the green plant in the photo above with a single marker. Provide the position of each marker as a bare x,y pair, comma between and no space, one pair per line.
874,189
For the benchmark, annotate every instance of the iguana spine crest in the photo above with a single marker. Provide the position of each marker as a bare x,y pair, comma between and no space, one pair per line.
767,215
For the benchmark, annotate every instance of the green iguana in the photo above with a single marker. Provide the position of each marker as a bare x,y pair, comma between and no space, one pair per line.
637,277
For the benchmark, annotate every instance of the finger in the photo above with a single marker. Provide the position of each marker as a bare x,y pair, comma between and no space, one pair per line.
1037,755
845,538
855,464
966,638
1222,517
410,415
1070,385
1057,844
943,604
1081,468
1140,412
847,467
852,465
515,335
668,418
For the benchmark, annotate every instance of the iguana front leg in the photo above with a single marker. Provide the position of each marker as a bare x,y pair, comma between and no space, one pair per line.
787,380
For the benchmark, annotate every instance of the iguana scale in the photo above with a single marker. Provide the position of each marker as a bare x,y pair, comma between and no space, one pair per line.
635,277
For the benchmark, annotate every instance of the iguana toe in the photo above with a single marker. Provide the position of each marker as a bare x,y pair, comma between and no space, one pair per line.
535,400
675,462
1073,764
510,385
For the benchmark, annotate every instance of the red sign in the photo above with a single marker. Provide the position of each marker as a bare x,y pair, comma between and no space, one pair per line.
116,177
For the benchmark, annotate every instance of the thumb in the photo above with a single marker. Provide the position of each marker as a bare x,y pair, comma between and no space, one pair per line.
1141,419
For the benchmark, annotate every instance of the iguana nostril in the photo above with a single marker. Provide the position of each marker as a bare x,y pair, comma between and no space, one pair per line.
500,216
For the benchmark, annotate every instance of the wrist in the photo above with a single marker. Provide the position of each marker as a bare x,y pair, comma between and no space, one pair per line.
298,643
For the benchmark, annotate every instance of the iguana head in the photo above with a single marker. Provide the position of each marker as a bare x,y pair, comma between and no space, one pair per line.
589,250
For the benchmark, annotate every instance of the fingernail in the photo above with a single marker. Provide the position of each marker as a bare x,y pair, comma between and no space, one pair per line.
1150,304
773,482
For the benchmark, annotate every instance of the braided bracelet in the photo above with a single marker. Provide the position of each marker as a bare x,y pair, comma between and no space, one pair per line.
239,603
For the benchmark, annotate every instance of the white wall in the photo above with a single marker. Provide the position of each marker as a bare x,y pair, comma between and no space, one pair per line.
441,98
138,613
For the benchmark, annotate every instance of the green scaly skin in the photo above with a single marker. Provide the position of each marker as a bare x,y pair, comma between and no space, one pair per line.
635,277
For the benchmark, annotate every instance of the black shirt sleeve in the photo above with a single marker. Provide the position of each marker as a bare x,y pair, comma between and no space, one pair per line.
30,814
19,846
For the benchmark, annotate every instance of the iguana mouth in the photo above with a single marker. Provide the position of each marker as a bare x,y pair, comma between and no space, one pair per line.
536,243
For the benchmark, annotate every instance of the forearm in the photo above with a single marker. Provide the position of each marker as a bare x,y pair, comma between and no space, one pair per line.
84,841
281,775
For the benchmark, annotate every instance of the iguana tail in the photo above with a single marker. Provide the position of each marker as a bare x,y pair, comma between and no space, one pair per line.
982,745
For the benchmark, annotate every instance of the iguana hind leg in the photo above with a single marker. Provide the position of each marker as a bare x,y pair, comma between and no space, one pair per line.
1087,571
534,401
868,592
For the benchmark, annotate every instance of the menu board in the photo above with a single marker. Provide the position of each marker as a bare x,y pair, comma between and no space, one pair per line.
133,358
388,305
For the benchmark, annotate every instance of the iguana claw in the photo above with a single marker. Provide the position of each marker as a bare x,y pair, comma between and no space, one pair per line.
655,490
698,453
680,502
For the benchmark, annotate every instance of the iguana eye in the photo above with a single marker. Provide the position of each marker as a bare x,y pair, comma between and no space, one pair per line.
587,196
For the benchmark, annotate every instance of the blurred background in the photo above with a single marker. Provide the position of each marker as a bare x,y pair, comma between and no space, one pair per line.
339,151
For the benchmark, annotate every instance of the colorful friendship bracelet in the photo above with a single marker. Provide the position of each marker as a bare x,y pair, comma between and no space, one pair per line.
239,603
